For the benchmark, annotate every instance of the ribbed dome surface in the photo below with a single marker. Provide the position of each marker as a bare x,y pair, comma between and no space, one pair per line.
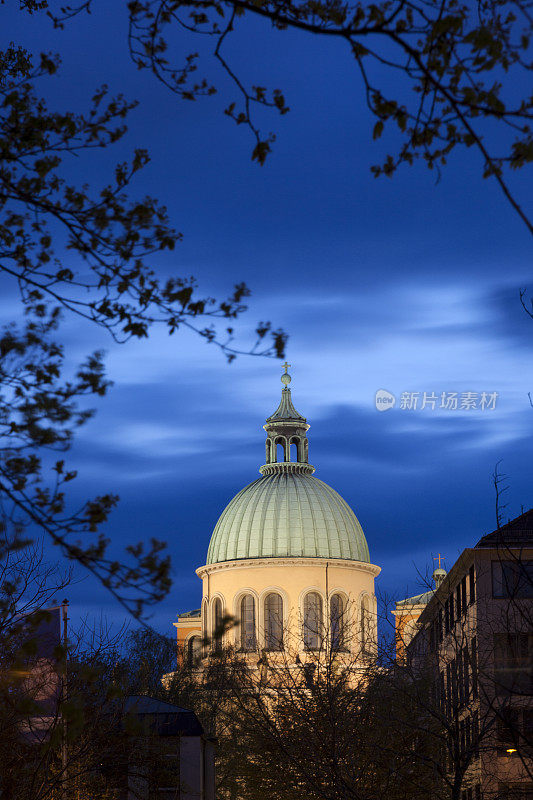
291,515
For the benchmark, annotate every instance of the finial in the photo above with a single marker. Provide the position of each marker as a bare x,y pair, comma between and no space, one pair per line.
286,378
439,572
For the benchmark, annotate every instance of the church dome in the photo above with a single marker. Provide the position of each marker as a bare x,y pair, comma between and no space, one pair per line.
287,512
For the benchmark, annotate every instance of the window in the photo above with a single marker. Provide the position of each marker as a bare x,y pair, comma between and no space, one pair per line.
472,584
280,450
365,623
194,650
508,730
466,674
312,621
336,621
205,618
448,689
516,791
527,725
442,692
473,666
294,448
463,596
217,624
162,774
446,616
248,643
512,579
273,621
454,697
513,663
460,679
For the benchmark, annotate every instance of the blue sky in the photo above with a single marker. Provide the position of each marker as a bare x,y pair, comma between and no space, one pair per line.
403,284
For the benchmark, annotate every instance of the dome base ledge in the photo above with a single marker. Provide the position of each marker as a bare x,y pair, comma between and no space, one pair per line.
293,561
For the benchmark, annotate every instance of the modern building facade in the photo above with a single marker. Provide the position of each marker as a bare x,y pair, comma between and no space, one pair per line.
473,636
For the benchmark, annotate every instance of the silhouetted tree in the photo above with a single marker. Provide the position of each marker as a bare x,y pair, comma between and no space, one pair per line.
87,251
460,70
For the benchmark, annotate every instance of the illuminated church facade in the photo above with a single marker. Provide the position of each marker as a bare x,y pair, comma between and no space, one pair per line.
288,560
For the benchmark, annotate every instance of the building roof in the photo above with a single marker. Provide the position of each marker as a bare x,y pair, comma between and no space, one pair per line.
290,515
439,575
165,718
196,612
288,512
286,410
417,600
517,532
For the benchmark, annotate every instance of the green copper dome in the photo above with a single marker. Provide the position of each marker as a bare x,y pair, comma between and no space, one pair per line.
287,512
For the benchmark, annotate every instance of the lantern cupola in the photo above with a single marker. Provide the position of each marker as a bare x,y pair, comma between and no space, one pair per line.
287,447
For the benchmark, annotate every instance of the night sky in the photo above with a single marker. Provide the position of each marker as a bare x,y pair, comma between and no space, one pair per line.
406,285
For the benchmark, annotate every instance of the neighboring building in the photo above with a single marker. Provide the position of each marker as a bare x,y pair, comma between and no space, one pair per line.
184,766
288,558
473,635
189,634
407,613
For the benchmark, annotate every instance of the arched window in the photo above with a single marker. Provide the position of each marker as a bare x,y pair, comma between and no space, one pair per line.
280,449
312,621
205,617
217,624
194,650
293,449
273,621
365,623
248,623
336,621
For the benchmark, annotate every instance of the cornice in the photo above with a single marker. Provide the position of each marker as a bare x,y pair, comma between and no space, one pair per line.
287,467
258,563
407,610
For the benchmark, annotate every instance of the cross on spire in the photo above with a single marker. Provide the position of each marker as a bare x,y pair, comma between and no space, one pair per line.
439,557
286,378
